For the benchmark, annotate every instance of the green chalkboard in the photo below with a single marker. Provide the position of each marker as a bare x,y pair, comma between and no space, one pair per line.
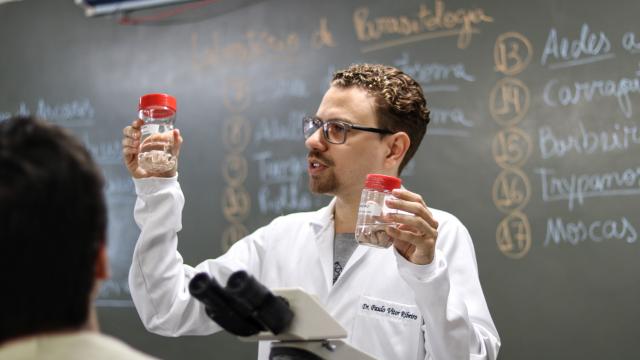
534,141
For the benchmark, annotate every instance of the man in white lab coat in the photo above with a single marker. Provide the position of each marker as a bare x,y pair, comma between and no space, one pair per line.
418,299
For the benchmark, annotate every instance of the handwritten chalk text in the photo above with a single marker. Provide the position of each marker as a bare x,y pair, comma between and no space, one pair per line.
574,233
589,47
620,138
557,94
577,187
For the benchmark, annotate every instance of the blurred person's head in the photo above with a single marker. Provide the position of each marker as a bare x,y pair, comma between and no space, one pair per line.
52,230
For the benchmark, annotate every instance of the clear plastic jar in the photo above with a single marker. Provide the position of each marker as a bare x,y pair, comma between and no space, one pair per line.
158,111
370,228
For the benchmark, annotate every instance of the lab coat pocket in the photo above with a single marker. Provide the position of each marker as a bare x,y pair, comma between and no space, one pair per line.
387,329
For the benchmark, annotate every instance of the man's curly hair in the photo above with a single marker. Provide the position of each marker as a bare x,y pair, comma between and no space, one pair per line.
400,103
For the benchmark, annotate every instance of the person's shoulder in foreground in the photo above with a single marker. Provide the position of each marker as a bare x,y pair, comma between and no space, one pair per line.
78,345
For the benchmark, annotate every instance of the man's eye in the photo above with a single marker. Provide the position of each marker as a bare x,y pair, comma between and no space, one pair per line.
336,128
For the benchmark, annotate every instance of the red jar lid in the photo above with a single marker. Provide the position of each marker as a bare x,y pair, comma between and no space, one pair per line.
154,100
382,182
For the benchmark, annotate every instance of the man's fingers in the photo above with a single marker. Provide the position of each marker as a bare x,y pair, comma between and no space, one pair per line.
414,207
137,124
177,141
129,142
129,151
419,229
409,206
404,235
408,195
413,236
132,131
132,141
414,226
414,222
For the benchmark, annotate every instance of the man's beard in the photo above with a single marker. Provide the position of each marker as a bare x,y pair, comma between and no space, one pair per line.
325,184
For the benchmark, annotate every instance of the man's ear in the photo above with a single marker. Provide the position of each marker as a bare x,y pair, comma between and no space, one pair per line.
397,147
102,263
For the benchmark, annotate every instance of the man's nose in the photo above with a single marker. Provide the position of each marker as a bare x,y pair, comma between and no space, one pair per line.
316,141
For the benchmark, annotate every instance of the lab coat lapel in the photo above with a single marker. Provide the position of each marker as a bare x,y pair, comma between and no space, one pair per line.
358,254
323,229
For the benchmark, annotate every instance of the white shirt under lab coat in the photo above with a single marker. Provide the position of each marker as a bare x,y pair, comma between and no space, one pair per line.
391,308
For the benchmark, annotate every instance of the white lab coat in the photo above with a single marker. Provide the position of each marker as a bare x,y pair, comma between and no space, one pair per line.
391,308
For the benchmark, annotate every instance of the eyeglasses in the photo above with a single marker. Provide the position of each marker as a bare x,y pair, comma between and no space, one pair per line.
335,131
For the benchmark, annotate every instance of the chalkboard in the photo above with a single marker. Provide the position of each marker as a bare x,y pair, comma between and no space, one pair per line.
534,141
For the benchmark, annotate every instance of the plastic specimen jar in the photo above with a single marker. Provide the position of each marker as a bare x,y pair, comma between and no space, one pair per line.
158,111
370,228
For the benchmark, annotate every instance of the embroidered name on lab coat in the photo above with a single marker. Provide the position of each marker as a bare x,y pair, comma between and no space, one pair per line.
388,310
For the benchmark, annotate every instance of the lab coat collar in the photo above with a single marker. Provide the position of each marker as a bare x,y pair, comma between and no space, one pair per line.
324,217
321,225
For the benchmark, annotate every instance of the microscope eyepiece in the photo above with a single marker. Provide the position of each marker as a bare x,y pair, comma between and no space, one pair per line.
244,307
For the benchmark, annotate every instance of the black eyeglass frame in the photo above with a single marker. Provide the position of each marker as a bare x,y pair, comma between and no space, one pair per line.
347,126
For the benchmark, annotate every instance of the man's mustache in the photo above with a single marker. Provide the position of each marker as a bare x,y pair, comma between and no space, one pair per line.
316,155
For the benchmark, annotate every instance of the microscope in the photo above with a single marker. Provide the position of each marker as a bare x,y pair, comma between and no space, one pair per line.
297,325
